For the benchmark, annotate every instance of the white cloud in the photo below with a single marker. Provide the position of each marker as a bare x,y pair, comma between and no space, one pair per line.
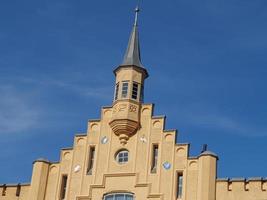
86,90
226,123
16,112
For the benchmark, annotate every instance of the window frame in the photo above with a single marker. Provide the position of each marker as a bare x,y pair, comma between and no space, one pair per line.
113,195
91,160
141,98
116,93
135,91
124,158
63,187
179,185
125,89
154,158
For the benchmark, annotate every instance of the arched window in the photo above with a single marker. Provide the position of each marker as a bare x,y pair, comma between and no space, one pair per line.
119,196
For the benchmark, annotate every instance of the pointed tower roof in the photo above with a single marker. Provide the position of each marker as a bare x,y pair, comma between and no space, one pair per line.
132,55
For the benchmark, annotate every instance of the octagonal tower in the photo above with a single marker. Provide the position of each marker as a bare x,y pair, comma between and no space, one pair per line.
129,89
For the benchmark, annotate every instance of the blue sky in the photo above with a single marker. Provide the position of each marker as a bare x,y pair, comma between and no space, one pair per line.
207,63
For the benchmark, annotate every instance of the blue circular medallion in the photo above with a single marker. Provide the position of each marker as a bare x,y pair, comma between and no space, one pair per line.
167,165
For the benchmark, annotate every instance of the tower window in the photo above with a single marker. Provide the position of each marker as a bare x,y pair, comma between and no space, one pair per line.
91,160
155,152
179,188
135,91
124,91
122,156
142,93
117,90
63,187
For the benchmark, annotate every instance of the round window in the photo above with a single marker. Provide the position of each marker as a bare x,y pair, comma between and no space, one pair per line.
122,156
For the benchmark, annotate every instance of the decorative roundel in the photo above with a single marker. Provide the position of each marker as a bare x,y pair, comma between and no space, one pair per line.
167,165
77,168
143,139
104,140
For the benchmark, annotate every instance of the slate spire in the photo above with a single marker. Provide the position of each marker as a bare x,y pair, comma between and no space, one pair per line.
132,55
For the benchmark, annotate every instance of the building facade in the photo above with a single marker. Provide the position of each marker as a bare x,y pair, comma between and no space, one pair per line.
128,154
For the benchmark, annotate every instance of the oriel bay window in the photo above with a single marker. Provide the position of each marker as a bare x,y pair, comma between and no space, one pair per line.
127,89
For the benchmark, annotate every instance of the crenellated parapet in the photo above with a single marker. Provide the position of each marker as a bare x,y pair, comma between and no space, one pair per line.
243,188
14,191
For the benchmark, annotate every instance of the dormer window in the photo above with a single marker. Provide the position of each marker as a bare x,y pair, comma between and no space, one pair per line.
135,91
124,91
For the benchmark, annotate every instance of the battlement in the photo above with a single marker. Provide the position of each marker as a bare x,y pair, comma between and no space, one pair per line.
245,188
246,184
14,191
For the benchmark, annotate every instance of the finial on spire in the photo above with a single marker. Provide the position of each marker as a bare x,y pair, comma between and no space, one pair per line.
132,55
137,10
